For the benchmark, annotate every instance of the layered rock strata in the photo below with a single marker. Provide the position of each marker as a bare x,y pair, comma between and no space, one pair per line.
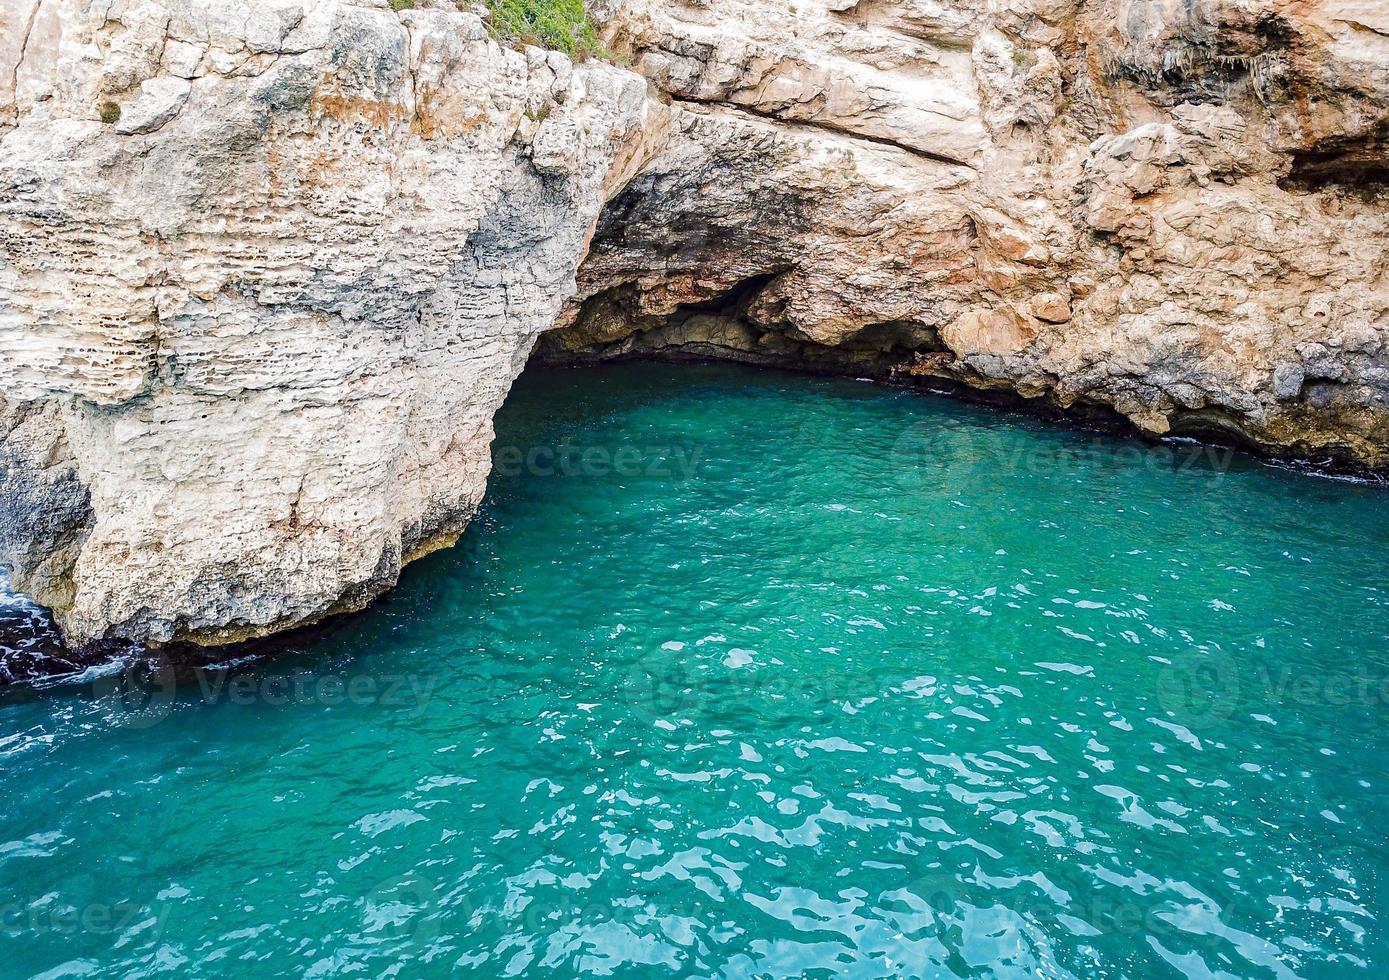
254,326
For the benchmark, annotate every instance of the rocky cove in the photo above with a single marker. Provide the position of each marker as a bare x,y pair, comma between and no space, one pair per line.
269,269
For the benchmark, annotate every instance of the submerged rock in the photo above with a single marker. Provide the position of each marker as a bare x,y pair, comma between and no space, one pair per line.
268,267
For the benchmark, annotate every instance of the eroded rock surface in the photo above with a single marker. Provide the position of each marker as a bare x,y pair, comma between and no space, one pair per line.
1174,209
253,332
268,267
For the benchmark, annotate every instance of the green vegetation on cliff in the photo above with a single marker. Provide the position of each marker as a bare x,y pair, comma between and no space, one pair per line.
561,24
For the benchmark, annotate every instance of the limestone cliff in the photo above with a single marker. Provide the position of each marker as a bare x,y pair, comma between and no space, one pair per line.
268,267
254,326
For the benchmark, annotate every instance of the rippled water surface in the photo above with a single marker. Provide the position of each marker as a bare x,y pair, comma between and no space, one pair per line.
746,674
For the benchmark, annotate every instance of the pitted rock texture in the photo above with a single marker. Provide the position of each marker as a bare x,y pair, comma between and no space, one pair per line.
253,333
268,267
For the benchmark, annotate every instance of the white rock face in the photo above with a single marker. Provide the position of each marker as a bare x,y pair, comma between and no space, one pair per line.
161,99
252,336
821,64
255,325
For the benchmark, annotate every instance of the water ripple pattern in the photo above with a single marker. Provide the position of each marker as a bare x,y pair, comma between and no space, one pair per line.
740,674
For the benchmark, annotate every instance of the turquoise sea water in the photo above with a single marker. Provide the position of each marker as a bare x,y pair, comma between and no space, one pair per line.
748,674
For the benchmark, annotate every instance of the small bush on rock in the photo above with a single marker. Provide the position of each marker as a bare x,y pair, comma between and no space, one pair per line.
560,24
110,113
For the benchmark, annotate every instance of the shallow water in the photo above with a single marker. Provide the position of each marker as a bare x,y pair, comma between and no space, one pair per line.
764,676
